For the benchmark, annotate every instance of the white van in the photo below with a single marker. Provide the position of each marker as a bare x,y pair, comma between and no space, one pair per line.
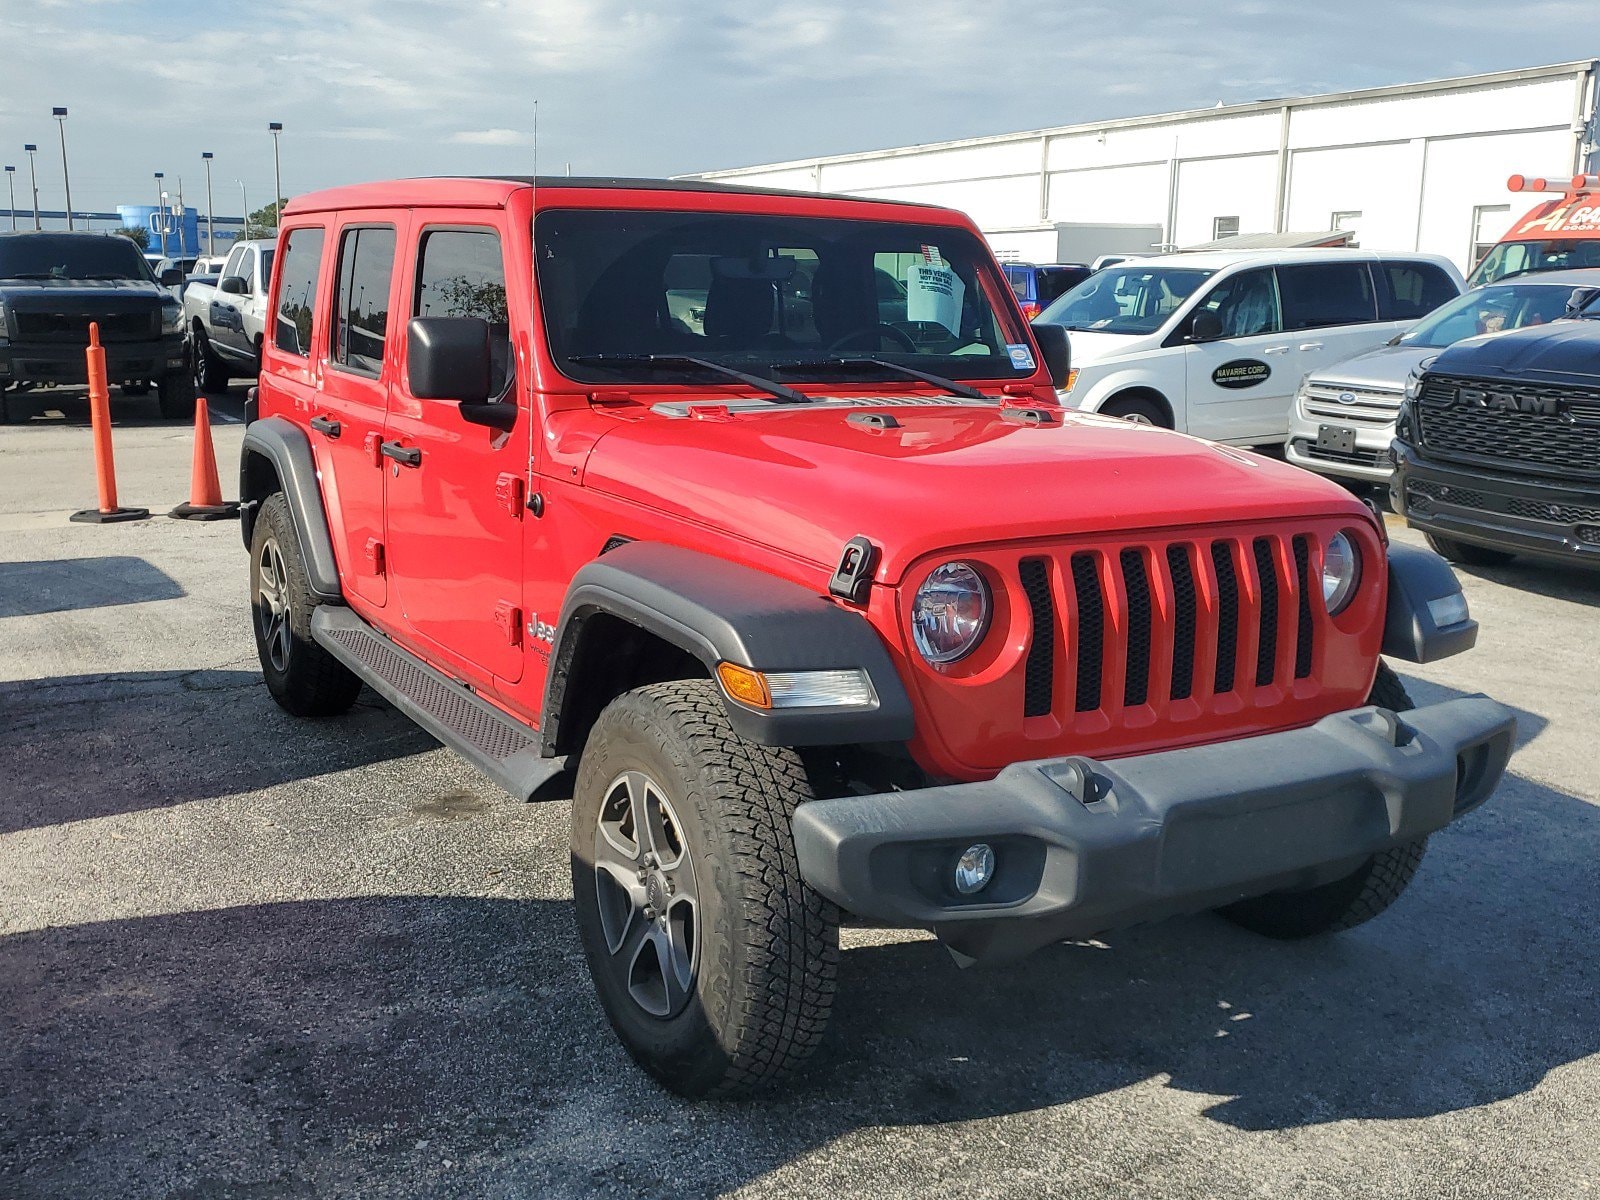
1215,344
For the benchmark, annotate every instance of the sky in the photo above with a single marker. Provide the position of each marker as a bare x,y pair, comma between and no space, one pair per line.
373,89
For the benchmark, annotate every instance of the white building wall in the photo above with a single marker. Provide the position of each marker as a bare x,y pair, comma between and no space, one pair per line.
1414,161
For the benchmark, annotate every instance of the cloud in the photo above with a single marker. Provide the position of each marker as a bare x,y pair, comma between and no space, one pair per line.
490,137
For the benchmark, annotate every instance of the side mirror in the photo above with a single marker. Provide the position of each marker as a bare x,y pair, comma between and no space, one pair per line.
1055,350
172,277
1580,299
447,358
1205,327
234,285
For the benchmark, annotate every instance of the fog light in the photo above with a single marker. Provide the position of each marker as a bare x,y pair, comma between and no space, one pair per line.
974,869
1448,610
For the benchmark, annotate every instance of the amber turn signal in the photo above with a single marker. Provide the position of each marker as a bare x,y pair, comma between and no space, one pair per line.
744,685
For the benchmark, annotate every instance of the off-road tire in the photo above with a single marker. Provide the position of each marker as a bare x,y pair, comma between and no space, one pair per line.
310,682
1138,410
768,945
1359,896
210,372
1466,553
175,395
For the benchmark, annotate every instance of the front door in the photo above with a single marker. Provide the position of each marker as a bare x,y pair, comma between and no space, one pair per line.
227,308
455,513
1242,383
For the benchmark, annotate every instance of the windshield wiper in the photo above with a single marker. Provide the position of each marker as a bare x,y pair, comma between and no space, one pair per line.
949,385
776,390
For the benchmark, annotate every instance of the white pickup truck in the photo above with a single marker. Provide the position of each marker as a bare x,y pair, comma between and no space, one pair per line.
227,321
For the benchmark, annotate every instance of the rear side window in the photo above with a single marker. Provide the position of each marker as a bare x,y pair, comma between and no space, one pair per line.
361,298
1316,295
1019,278
460,273
297,295
1416,289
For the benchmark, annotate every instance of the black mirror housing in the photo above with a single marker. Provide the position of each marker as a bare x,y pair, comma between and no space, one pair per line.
1055,349
234,285
447,358
1205,327
172,277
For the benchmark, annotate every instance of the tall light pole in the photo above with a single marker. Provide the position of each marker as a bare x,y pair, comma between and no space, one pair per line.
211,233
60,114
33,178
244,199
160,223
275,128
11,181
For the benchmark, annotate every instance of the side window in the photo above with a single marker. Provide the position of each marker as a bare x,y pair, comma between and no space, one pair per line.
245,268
1416,289
361,298
460,273
297,294
1246,304
235,257
1317,295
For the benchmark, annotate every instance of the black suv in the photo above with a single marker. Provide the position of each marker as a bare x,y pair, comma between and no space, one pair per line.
1497,448
52,285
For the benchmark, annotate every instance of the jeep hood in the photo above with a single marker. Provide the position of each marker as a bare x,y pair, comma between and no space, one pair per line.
1565,353
943,477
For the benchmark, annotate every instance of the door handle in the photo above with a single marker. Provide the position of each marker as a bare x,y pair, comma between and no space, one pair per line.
327,426
406,456
1275,350
1311,345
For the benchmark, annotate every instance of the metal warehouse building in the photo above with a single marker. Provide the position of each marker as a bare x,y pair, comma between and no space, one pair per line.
1418,166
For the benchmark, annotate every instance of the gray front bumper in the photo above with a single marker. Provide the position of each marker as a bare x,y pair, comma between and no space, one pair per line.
1084,846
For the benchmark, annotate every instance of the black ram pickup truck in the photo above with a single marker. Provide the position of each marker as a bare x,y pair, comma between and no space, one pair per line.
1497,448
52,285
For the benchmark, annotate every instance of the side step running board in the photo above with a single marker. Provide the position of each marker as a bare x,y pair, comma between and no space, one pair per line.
498,745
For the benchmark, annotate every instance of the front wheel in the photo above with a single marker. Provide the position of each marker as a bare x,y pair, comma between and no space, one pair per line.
1466,553
1138,410
713,960
210,372
1358,896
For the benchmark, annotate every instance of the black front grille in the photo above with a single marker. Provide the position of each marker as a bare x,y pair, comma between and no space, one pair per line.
1267,647
1302,572
1421,492
1185,602
1039,672
1136,680
1227,615
73,328
1561,442
1091,630
1545,510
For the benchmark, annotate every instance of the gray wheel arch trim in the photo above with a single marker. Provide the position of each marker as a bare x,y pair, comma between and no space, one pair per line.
283,444
719,611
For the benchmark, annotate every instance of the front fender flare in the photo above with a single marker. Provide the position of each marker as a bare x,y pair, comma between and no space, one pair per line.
718,611
285,446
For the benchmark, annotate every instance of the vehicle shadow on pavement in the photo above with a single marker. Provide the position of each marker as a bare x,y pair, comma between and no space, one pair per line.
428,1045
68,584
78,747
1577,584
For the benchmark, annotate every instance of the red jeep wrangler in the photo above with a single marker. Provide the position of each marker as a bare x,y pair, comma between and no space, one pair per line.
753,516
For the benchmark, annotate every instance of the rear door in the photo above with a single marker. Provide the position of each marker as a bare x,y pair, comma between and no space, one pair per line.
1331,312
353,399
1241,384
455,514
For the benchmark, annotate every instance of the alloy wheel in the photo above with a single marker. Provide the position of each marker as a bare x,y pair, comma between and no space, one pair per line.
272,614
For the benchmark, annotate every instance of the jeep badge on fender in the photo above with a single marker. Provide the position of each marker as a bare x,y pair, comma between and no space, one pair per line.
833,612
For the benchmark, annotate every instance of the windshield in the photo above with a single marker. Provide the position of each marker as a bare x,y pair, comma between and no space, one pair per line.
71,256
1491,309
1522,258
650,291
1127,298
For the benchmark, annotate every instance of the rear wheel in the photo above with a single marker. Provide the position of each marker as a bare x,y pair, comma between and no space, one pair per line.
175,395
1467,553
1354,899
1138,409
713,960
303,677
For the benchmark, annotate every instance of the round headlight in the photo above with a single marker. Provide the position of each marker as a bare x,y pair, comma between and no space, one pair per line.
950,613
1341,571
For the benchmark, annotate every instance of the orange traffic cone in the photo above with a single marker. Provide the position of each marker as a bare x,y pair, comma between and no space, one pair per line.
205,501
105,469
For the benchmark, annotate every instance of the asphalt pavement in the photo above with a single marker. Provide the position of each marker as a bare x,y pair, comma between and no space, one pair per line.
247,956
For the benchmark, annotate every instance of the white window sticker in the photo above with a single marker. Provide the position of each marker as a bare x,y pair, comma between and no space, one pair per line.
1021,356
934,292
